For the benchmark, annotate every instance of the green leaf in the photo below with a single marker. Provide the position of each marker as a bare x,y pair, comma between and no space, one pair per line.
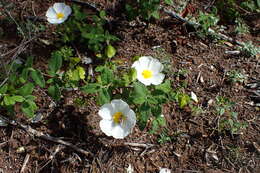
164,87
144,112
29,107
158,123
55,63
140,93
155,14
11,100
3,89
38,78
54,92
91,88
156,110
29,61
27,89
168,2
76,74
18,98
102,14
103,96
110,51
8,100
183,100
106,75
24,75
81,72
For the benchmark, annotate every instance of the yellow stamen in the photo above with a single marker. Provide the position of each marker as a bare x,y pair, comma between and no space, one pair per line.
59,15
147,74
118,117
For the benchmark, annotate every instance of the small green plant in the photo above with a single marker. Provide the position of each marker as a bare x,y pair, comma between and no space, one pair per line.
241,27
164,137
249,49
207,21
234,76
18,89
228,119
145,9
88,30
251,5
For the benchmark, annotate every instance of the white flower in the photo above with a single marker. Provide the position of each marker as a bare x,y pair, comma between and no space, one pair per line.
118,119
149,70
58,13
165,170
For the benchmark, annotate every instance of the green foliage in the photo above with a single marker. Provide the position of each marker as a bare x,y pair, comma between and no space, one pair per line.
18,89
207,21
110,51
38,78
235,76
145,9
228,119
249,49
227,10
55,63
251,5
164,137
158,123
241,27
88,30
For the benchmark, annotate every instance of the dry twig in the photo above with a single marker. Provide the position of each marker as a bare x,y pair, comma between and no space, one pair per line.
39,134
27,157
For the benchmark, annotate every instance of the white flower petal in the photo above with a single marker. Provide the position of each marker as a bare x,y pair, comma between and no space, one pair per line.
58,7
131,117
106,126
145,61
155,66
119,104
62,19
136,65
143,80
120,129
51,13
53,21
106,111
119,133
158,79
67,11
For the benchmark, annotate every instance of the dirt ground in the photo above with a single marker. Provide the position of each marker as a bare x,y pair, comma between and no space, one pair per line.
195,146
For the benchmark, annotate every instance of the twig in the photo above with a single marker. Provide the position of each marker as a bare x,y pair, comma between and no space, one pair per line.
27,157
39,134
139,145
57,149
12,18
232,52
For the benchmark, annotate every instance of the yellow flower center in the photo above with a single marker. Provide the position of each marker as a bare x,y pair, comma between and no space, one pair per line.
118,117
147,74
59,15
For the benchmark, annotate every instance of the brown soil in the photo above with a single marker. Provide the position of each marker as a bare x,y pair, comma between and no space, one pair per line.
196,145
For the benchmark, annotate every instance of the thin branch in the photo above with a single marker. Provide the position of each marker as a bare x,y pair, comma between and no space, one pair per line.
39,134
139,145
27,157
